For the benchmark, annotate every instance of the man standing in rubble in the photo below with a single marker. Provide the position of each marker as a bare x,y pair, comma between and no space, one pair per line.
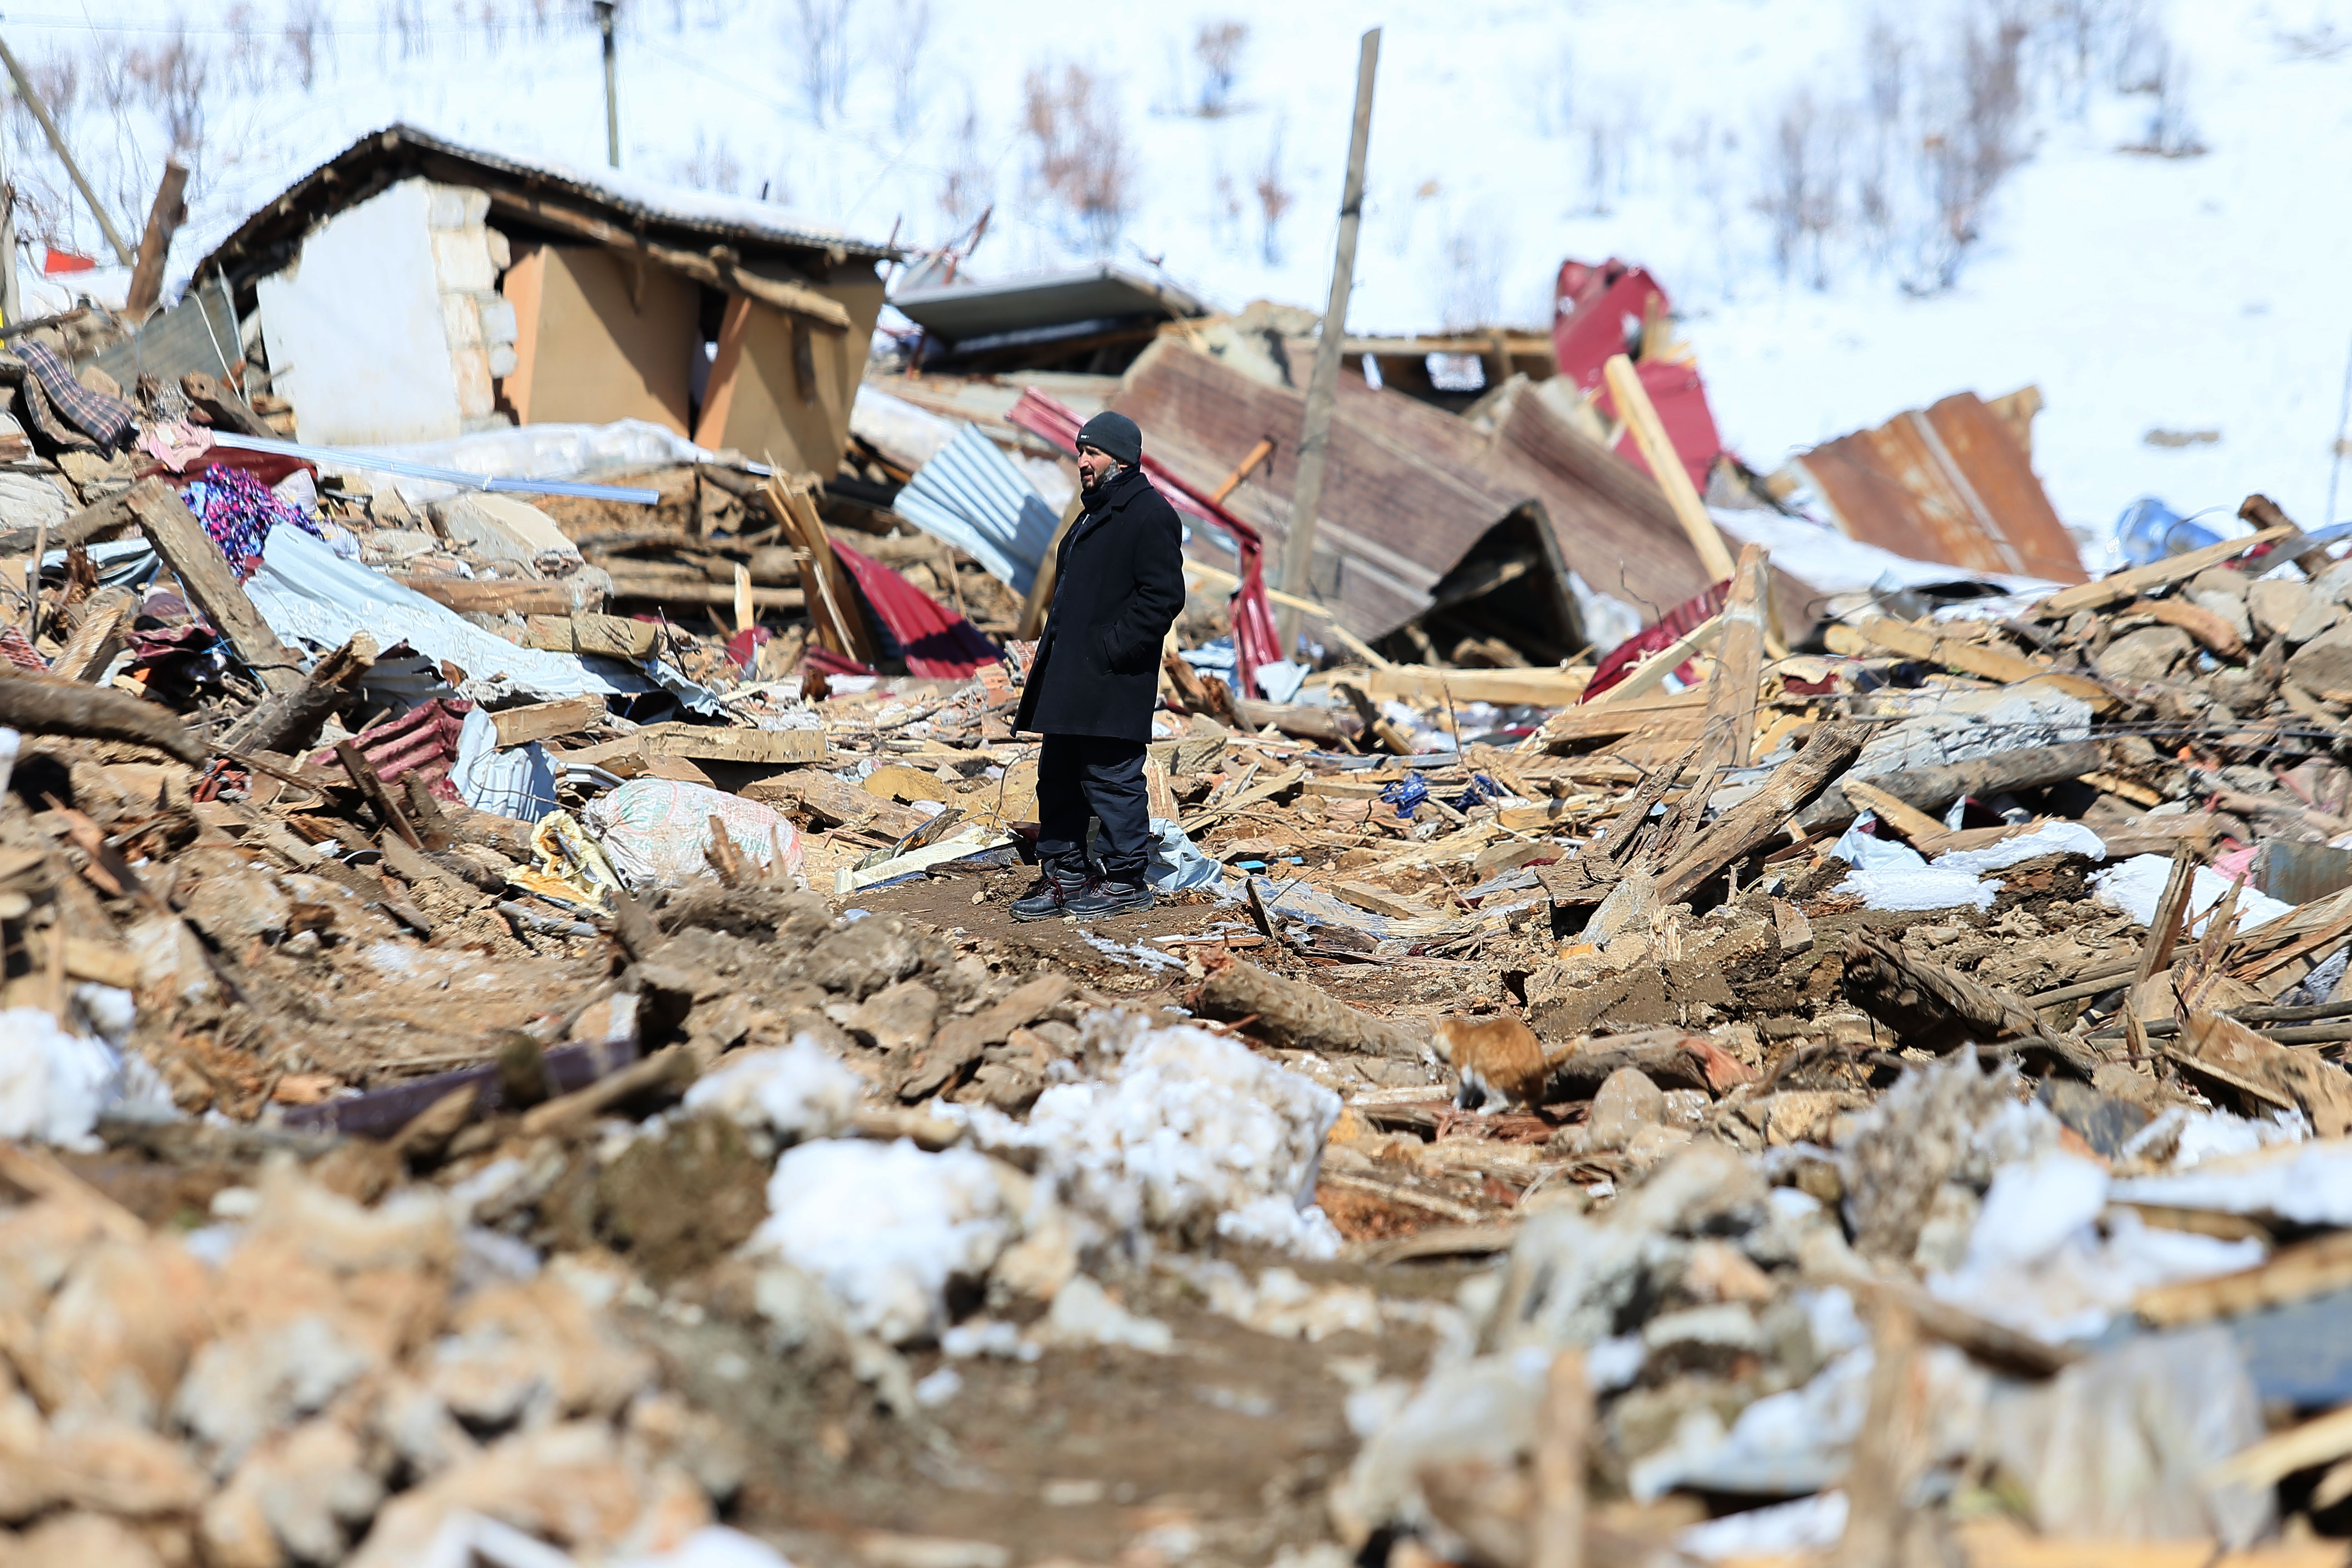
1118,582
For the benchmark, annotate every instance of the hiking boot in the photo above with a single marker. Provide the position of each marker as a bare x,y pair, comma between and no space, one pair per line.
1108,898
1050,898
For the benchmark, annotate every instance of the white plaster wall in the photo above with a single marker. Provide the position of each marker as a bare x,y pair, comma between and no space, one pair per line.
358,325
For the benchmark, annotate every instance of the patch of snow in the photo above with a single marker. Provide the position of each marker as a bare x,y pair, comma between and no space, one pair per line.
884,1227
796,1091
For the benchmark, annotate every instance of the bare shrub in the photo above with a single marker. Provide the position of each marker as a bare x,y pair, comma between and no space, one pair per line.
243,56
306,25
2171,131
408,25
1555,95
173,75
57,78
968,190
1225,205
712,166
1803,185
908,36
820,32
1273,199
1218,47
1472,296
1607,130
1079,150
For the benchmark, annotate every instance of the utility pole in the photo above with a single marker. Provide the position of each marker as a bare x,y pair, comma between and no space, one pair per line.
12,304
612,85
58,145
1314,441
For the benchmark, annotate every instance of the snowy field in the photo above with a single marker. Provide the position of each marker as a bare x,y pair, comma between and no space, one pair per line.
1739,148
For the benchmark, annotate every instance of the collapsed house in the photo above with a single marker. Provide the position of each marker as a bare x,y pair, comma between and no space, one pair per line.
411,290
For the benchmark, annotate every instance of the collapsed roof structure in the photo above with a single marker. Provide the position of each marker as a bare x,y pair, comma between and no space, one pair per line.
411,289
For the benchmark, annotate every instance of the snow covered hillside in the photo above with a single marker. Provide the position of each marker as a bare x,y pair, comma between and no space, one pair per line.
1787,167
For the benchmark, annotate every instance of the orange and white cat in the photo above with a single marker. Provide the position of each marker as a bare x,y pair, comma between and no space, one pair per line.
1494,1058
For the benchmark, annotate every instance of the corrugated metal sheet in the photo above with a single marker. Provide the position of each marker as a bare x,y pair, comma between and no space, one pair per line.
972,496
1947,483
1394,517
962,311
198,333
1411,488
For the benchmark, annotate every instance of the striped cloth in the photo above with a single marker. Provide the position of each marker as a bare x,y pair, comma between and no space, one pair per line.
106,420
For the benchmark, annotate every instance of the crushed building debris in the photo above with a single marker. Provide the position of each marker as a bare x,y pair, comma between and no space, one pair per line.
1674,1029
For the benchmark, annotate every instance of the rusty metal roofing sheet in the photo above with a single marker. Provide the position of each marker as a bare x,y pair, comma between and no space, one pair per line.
1411,488
1946,483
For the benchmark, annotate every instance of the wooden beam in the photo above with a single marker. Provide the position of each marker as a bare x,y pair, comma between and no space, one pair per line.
718,269
470,595
1323,383
163,220
1647,675
1503,688
1734,686
204,571
543,720
2131,585
614,636
709,743
1641,416
825,591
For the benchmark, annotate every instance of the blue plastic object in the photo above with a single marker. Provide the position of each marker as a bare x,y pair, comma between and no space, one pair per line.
1482,789
2149,531
1406,794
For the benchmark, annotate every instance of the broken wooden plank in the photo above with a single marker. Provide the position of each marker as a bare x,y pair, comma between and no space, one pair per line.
2171,914
2297,1273
372,786
290,722
1679,717
756,748
1734,684
543,720
659,588
1381,901
1503,688
1641,417
2139,580
203,573
612,636
1645,677
1940,1009
1914,824
105,626
1754,821
486,596
2222,1049
1931,789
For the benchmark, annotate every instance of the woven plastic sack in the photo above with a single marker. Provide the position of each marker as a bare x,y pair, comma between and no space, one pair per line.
518,782
656,831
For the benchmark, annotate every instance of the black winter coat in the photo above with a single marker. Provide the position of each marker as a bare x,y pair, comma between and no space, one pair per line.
1119,584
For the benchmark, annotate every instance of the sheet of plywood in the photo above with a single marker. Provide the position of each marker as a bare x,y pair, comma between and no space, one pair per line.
778,401
598,340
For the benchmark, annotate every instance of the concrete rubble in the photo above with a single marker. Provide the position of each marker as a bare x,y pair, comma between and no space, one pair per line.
488,1077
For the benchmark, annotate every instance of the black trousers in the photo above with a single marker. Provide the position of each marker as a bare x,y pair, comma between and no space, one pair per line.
1080,776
